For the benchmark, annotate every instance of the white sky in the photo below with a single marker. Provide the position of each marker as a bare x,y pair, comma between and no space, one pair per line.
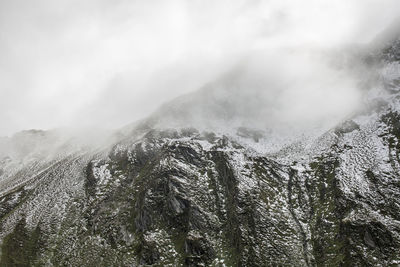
108,63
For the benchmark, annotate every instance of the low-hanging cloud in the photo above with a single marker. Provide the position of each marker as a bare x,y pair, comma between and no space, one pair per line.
107,63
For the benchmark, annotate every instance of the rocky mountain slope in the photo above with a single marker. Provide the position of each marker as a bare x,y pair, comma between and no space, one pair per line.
194,197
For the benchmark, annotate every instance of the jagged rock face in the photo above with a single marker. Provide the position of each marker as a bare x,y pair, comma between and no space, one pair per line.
182,200
187,198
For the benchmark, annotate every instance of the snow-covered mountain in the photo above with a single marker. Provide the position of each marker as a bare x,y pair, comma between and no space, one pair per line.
169,192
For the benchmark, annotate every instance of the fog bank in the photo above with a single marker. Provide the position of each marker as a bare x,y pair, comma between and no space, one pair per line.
108,63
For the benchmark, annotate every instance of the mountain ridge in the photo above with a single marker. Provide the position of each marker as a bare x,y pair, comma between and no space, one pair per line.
181,196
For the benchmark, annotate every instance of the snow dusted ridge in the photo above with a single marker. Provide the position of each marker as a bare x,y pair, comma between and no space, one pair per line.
223,197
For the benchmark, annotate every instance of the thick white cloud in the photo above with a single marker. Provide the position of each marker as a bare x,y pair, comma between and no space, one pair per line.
108,63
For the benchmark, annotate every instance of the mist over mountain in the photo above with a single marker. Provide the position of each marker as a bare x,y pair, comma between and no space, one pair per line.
199,133
108,64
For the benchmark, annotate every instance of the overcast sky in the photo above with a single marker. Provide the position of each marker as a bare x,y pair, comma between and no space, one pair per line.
108,63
